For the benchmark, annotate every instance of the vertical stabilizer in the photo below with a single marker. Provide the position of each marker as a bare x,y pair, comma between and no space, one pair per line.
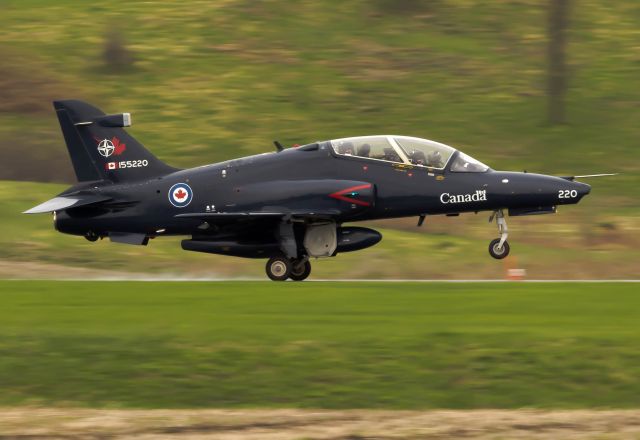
99,147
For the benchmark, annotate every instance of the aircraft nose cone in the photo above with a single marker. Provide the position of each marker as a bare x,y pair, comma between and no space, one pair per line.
582,188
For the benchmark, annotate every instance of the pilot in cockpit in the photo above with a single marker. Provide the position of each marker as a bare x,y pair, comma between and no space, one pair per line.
435,160
417,157
346,148
364,150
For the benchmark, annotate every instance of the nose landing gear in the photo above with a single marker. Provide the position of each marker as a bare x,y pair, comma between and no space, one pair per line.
498,252
499,247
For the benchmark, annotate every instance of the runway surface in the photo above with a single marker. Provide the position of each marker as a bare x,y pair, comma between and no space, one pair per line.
290,424
48,271
160,278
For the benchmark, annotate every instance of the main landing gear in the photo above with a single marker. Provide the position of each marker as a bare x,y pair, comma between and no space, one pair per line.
280,268
91,236
499,247
300,269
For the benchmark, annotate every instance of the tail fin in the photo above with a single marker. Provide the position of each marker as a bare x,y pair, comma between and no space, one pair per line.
100,149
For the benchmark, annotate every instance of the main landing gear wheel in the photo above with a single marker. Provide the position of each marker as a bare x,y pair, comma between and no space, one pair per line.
278,268
498,252
300,270
91,236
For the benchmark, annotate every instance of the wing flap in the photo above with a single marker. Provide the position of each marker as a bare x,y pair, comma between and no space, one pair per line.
229,215
256,215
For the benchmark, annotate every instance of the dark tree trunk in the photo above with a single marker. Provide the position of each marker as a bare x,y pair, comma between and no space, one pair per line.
557,73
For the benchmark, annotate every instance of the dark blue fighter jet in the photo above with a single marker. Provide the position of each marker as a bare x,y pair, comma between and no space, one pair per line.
286,206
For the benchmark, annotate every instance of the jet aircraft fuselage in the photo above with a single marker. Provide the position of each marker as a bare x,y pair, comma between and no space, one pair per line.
287,206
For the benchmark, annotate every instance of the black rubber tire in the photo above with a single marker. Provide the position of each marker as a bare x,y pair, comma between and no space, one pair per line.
498,254
278,268
301,274
91,236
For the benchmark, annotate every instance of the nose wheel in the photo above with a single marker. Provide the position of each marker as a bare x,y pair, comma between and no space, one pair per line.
499,248
498,252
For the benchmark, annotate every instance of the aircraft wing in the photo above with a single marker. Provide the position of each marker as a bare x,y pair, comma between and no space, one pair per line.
66,202
317,199
230,216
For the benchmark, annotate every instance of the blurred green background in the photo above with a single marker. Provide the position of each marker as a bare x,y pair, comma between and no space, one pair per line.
213,80
320,345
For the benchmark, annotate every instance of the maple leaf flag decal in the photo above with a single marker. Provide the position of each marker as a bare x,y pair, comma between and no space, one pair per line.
119,147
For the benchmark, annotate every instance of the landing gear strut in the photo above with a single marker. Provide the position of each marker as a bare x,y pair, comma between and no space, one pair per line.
499,247
288,264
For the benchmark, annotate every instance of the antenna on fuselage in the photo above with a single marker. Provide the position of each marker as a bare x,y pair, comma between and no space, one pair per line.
278,145
589,175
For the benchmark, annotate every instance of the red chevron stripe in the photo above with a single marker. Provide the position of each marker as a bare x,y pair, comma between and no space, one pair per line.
340,195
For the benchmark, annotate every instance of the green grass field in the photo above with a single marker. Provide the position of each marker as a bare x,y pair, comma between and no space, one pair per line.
324,345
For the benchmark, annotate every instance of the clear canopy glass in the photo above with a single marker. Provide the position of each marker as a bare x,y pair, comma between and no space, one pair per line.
407,150
464,163
371,147
425,152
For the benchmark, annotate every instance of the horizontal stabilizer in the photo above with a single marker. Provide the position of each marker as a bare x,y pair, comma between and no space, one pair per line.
60,203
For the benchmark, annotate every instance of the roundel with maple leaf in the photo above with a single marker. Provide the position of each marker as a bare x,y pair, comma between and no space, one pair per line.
180,195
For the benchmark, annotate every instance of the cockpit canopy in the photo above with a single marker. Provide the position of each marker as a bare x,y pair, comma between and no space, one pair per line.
407,150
